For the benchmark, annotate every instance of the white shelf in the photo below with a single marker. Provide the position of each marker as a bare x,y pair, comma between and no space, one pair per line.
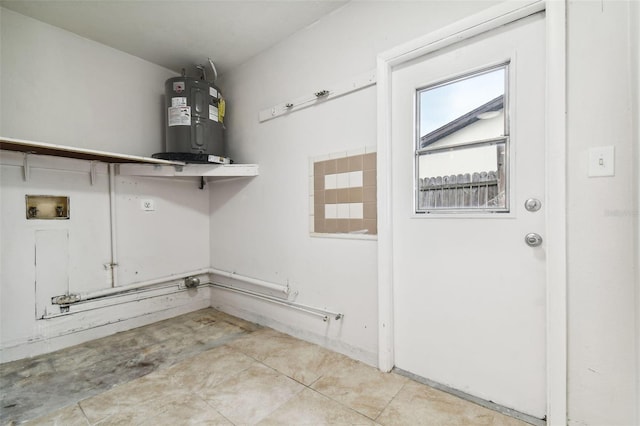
131,165
43,148
187,170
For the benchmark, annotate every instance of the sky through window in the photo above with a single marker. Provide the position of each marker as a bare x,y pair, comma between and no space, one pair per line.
443,104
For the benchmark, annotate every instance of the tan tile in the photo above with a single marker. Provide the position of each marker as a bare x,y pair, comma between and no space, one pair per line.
331,196
213,324
369,161
420,404
132,402
342,225
318,210
126,418
238,322
370,210
67,416
369,178
355,163
258,345
331,226
343,195
356,225
330,167
312,408
359,386
318,183
318,168
342,165
371,225
141,399
369,194
318,225
297,359
251,395
355,195
187,411
206,369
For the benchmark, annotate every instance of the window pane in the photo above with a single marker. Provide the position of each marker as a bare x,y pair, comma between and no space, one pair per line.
462,143
468,177
465,110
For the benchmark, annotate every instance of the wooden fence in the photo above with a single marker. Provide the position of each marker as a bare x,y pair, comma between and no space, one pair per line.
472,191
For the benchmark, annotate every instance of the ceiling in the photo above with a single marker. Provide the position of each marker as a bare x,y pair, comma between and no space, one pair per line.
180,33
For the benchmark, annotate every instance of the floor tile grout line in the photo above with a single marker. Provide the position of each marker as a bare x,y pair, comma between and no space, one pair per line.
303,384
257,361
212,407
288,399
321,376
83,413
339,403
309,386
391,400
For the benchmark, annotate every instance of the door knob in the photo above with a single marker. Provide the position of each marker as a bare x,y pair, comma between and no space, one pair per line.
533,239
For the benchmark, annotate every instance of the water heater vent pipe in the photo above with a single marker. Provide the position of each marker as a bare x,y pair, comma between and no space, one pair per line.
215,71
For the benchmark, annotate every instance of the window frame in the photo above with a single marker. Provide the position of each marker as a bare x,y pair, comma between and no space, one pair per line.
505,138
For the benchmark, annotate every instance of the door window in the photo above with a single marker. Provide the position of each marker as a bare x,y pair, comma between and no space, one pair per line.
462,144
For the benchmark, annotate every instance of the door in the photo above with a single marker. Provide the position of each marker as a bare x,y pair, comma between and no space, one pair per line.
468,180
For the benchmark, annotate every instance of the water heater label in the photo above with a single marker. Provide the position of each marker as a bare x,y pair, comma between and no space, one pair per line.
178,102
179,116
213,112
213,92
178,86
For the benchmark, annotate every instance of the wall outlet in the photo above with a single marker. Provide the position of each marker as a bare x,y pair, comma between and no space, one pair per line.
601,161
147,205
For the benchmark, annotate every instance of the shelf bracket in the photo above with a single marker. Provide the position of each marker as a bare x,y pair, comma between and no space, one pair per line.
26,170
93,174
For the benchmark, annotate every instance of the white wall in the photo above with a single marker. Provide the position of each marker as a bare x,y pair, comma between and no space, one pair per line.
601,219
60,88
172,239
260,228
634,17
270,239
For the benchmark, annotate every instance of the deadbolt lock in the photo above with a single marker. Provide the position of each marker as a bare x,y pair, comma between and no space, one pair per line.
532,204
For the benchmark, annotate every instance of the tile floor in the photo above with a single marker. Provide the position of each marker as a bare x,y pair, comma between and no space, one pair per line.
208,368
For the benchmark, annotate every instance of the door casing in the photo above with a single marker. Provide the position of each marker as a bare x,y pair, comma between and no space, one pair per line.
555,182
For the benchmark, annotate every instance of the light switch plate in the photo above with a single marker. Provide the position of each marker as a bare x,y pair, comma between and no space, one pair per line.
601,161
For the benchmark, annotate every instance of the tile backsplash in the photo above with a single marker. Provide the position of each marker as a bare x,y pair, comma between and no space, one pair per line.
343,193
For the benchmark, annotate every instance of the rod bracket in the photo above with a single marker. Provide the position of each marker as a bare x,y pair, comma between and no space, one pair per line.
65,299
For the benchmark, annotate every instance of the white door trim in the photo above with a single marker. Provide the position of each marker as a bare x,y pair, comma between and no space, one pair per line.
555,155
